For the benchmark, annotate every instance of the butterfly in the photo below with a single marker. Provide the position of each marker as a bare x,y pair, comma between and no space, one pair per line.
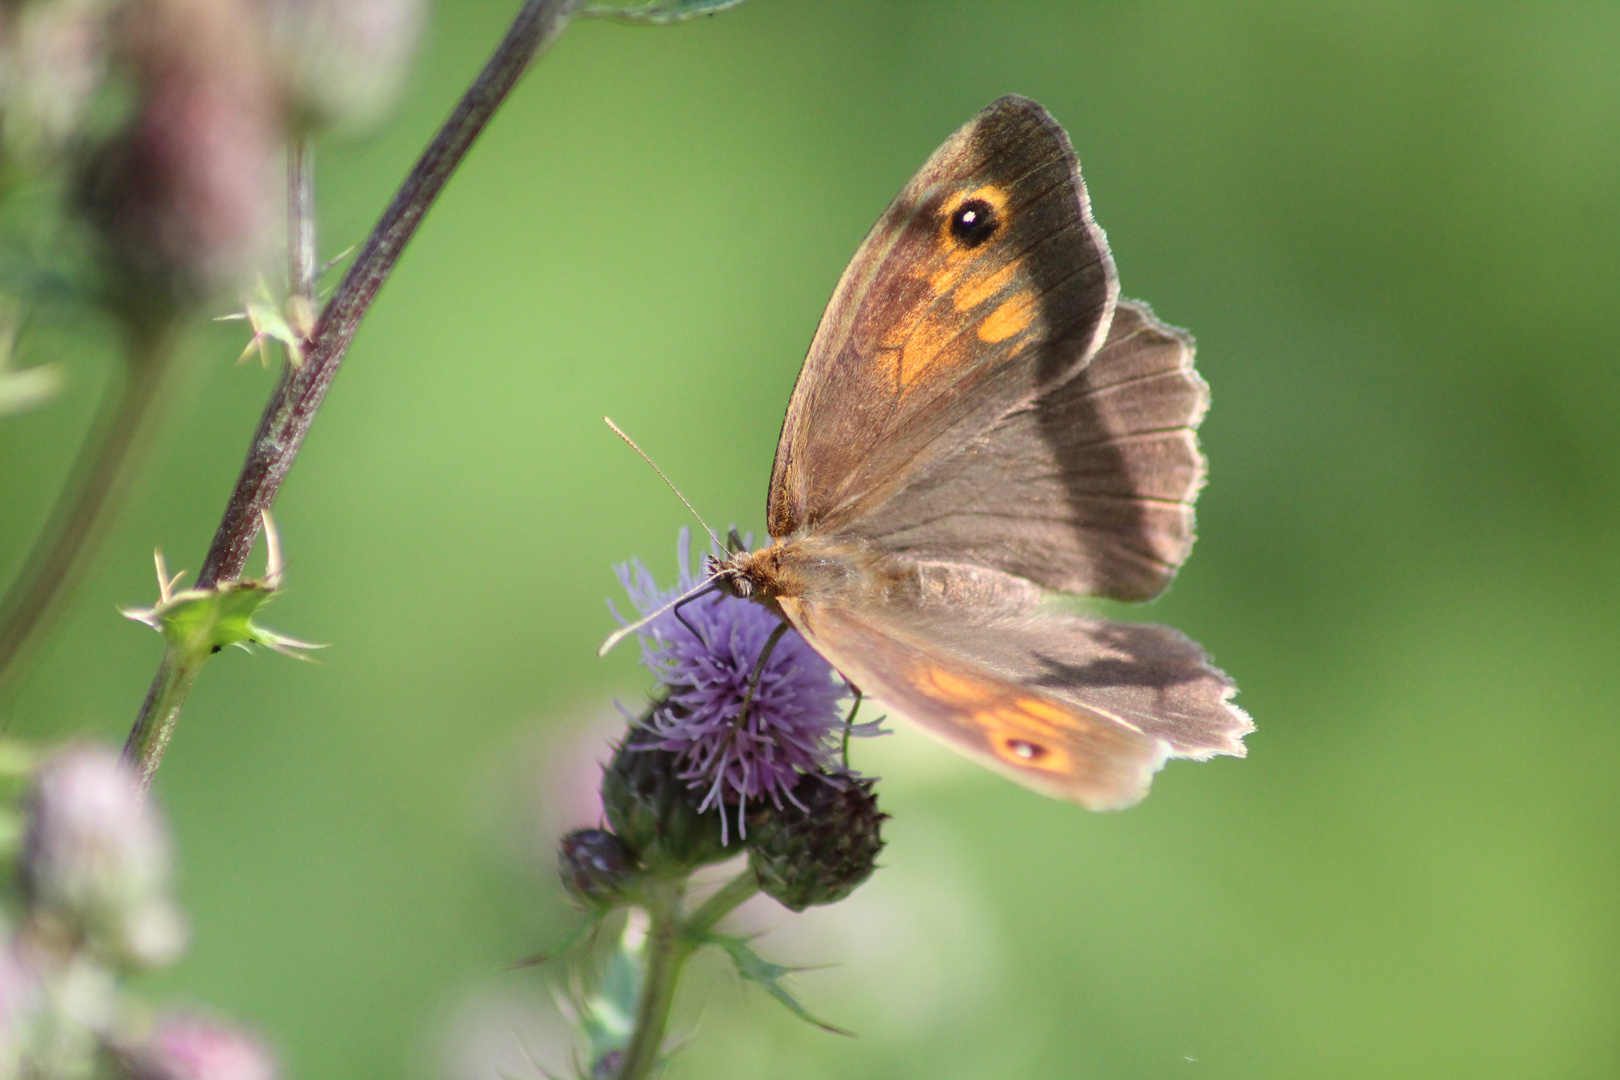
981,426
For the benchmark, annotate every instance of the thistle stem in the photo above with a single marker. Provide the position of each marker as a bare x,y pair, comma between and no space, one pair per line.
113,454
291,410
666,950
301,249
287,418
670,942
176,675
740,888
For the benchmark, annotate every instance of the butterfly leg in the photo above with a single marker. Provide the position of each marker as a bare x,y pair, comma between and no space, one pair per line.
759,669
849,722
690,628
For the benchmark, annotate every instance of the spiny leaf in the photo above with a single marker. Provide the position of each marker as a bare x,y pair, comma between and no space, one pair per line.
288,321
583,934
755,968
201,622
659,12
608,1016
22,389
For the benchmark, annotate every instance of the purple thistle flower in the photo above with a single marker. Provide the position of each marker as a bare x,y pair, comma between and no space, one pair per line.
794,725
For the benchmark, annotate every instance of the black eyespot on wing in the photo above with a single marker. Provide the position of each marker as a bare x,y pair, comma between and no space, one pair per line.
1026,751
974,222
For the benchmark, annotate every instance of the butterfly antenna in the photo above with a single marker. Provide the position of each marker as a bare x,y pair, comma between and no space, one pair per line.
625,631
617,430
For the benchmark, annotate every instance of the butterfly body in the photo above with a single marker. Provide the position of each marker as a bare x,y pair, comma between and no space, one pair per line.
981,426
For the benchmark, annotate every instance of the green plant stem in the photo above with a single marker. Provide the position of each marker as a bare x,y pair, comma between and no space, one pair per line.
176,675
666,951
670,942
740,888
112,457
291,410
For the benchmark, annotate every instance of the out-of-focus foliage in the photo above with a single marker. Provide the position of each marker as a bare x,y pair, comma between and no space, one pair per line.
87,866
1392,229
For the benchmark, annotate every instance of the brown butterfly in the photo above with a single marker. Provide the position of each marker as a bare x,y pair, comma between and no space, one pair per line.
981,422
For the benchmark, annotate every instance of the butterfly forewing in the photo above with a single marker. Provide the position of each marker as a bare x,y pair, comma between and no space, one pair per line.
1088,488
983,282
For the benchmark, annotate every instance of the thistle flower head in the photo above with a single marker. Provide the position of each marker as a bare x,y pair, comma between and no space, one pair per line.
96,860
186,1047
705,655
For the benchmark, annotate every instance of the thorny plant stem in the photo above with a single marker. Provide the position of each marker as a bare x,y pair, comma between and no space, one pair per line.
287,417
670,941
292,407
176,675
113,454
301,249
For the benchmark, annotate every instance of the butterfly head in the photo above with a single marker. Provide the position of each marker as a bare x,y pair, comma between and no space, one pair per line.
760,576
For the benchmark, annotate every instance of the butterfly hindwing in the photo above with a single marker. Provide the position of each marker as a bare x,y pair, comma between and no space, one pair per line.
984,281
1088,488
1152,677
1054,746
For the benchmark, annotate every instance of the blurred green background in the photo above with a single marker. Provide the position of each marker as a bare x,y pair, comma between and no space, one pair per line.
1393,228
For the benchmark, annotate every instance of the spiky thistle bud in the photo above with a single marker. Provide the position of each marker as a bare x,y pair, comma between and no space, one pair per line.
52,59
181,197
821,845
95,861
187,1047
652,809
598,869
341,60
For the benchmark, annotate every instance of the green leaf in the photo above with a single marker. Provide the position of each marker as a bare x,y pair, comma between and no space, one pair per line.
658,12
25,389
608,1017
200,622
288,321
754,968
583,934
22,389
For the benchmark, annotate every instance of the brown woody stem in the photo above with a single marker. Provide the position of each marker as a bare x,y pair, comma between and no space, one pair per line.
292,407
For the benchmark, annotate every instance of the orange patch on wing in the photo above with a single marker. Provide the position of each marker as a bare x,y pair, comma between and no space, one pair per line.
944,279
955,688
1014,742
1012,317
1026,731
996,197
976,291
925,349
1040,709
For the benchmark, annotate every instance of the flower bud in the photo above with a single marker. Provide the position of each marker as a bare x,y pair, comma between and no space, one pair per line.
182,196
655,813
95,860
341,61
52,59
598,869
822,850
20,998
184,1047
